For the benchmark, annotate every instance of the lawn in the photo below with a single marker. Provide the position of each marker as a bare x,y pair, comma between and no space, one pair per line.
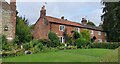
76,55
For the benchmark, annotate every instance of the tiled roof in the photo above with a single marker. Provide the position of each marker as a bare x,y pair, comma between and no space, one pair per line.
62,21
67,22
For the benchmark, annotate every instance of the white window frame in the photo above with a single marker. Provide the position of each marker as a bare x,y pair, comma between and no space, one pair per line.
62,39
77,29
99,32
60,27
92,32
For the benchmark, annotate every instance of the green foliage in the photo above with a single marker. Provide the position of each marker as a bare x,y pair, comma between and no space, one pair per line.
109,45
84,39
111,20
46,42
35,46
80,42
5,44
23,31
76,35
85,34
90,23
67,38
54,39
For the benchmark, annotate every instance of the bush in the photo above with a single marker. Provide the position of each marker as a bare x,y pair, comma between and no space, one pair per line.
109,45
36,46
46,42
5,45
54,39
80,42
26,46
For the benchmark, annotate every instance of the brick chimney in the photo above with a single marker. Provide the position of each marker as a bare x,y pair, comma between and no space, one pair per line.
43,12
84,21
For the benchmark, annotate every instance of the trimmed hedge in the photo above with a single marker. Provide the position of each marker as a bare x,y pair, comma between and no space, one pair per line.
108,45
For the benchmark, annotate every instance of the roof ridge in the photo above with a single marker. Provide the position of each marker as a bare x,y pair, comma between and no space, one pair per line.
64,20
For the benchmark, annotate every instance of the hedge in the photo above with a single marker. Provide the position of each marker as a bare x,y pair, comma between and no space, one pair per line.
108,45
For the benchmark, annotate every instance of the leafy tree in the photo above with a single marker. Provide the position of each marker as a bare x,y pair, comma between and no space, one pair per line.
67,38
54,39
111,20
91,23
86,35
22,31
80,42
75,36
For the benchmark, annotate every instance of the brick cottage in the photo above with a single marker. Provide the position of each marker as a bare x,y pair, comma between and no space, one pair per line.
45,24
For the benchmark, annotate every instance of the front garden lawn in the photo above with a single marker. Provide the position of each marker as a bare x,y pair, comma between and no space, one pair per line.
75,55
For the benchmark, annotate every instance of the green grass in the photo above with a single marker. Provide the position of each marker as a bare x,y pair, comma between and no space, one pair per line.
78,55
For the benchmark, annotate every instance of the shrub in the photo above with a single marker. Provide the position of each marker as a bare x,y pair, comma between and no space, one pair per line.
54,39
46,42
76,35
5,45
80,42
109,45
35,46
26,46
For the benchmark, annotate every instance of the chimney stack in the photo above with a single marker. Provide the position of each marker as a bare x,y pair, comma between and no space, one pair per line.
62,17
43,12
84,21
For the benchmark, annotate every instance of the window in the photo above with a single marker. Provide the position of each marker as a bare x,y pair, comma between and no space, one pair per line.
99,33
77,29
105,34
92,32
61,39
61,27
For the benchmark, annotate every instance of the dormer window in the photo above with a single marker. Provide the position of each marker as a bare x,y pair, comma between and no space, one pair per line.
61,27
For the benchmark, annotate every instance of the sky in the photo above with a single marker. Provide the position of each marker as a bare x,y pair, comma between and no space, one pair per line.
73,11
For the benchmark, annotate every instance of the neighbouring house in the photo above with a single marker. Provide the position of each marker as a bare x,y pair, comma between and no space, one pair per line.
45,24
8,19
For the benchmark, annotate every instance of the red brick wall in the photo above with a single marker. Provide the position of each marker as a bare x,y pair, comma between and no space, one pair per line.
55,29
41,30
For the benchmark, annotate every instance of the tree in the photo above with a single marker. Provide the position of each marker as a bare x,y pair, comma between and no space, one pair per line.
75,36
22,31
111,20
91,23
67,38
81,42
54,39
86,35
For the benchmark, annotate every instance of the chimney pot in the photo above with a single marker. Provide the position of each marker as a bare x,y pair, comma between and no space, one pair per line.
62,17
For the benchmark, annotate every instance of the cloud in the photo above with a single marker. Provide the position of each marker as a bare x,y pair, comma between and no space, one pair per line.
73,11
